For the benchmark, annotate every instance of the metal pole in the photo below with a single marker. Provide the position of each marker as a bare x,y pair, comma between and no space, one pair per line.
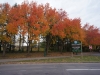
81,50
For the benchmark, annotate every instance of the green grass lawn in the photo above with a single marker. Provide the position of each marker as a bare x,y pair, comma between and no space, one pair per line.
75,59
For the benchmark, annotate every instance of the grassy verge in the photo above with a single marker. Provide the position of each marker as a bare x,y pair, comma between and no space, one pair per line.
76,59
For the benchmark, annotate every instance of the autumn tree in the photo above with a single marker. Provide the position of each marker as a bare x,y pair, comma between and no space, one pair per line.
35,22
30,19
13,24
52,17
4,35
58,29
32,22
92,34
68,29
76,32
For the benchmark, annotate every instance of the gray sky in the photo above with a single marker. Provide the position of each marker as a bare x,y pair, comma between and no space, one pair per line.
87,10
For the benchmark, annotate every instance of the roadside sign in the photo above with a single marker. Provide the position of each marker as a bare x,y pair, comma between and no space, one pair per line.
76,46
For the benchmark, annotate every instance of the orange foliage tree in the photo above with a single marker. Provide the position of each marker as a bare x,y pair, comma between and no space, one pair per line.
35,22
13,24
68,29
76,32
32,20
50,17
92,34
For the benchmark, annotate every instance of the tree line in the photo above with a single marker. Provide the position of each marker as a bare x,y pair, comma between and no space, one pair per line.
32,21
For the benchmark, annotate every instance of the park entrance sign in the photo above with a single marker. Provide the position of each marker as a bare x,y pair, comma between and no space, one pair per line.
76,46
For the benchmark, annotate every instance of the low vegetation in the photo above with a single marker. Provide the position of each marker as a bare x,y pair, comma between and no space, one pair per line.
75,59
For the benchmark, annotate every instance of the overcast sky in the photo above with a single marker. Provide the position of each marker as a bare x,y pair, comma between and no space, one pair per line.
87,10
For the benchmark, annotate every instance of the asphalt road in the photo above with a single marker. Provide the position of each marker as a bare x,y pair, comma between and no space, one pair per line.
51,69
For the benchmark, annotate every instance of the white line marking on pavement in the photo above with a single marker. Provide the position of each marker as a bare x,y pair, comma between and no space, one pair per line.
22,70
82,69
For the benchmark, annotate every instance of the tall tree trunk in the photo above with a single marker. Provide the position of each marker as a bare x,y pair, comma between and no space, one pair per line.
38,46
22,47
29,46
4,49
23,44
12,46
48,40
0,47
19,43
9,47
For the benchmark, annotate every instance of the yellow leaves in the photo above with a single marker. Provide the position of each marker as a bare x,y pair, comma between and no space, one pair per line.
33,38
6,38
3,18
75,37
75,31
